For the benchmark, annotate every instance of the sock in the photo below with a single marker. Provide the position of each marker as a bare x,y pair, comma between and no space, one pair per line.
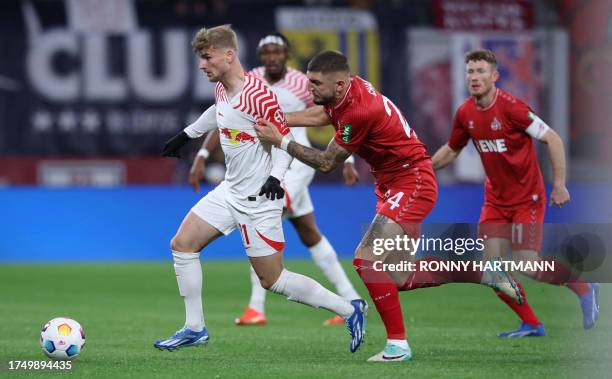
385,297
524,310
305,290
561,276
326,259
401,343
189,278
258,293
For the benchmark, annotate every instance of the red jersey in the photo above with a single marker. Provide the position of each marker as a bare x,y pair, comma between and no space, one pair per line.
370,125
499,133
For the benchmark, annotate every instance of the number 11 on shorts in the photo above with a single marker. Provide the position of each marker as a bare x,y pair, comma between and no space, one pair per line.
245,235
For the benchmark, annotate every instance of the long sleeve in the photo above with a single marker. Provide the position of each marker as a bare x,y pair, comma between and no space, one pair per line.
205,123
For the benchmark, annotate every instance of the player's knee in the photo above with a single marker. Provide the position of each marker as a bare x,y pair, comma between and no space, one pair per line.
267,282
179,243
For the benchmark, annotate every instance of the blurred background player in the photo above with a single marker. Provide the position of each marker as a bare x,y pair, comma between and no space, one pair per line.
292,90
501,128
238,202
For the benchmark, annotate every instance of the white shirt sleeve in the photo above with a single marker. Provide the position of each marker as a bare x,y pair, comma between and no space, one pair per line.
537,128
281,160
205,123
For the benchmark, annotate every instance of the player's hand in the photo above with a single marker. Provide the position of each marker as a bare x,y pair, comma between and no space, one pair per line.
272,189
196,172
351,176
174,144
268,132
559,196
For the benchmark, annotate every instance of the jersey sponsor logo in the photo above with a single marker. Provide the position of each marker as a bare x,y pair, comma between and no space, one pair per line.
471,124
347,133
491,145
236,136
495,124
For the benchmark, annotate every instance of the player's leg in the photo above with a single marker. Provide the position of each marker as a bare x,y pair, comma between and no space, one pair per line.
526,245
323,254
207,220
264,241
254,314
300,211
382,286
530,324
402,205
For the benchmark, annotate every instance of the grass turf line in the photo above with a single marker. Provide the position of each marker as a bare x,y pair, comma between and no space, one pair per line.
125,307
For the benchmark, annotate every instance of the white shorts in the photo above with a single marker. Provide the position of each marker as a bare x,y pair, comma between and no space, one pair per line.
297,198
261,228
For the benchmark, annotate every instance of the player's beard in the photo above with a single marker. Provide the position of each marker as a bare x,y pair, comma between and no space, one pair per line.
320,100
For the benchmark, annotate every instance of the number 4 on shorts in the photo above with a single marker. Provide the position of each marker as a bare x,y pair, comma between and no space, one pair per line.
394,200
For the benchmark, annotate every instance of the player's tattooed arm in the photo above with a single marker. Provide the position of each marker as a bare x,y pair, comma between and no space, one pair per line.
325,161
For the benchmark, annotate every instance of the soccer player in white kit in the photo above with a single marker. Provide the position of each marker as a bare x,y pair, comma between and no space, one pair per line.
252,171
292,90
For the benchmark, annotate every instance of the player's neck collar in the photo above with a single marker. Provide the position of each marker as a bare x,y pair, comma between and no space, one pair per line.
490,105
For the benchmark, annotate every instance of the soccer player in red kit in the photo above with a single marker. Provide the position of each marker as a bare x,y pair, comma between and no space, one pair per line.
502,129
371,126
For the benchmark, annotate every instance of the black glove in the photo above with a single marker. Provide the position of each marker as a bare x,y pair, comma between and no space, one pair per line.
272,189
174,144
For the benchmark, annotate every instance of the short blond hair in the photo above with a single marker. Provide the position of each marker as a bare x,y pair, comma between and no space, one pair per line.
218,37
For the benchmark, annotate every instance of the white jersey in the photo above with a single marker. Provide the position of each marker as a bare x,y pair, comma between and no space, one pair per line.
248,161
293,93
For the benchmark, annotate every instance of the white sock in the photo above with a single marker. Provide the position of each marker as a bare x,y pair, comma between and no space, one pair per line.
305,290
325,257
189,278
258,293
401,343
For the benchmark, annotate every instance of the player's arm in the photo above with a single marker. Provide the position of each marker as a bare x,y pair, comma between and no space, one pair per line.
444,156
324,161
196,172
350,174
309,117
556,152
451,150
205,123
534,126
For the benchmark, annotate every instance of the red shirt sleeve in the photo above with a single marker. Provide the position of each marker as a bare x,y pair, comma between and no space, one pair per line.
459,135
520,115
273,113
353,129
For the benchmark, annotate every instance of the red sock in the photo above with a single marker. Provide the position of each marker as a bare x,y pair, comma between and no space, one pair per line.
384,294
562,276
524,310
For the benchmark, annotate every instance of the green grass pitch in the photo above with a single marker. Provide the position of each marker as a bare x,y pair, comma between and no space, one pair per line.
124,307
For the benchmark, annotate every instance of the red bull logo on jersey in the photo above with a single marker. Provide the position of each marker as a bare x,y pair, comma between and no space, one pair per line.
236,136
491,145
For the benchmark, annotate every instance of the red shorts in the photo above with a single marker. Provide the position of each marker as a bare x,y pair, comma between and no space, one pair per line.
408,198
522,225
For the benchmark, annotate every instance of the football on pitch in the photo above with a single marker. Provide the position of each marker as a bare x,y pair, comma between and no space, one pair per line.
62,338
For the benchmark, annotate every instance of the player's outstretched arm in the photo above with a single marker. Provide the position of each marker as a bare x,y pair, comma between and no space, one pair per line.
324,161
196,172
206,122
309,117
444,156
556,151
